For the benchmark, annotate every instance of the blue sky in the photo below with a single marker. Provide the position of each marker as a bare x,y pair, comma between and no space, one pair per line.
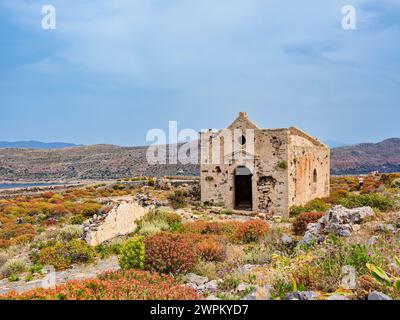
112,70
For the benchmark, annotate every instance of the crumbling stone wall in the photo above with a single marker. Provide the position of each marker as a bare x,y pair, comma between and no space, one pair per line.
121,220
309,169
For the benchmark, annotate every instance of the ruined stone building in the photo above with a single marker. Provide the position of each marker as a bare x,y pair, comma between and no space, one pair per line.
245,167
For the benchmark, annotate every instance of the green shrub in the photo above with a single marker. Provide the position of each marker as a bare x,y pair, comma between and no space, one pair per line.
283,165
69,232
206,269
133,254
396,183
77,219
256,254
61,255
150,228
13,267
374,200
357,256
106,250
226,211
3,258
316,205
178,199
296,210
159,220
90,209
13,278
169,253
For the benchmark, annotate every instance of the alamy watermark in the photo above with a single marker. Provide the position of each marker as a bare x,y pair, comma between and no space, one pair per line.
49,18
349,20
188,146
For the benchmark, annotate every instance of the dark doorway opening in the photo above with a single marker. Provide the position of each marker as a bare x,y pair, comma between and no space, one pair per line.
243,189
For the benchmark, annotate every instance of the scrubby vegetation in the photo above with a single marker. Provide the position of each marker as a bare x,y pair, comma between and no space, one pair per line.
169,253
132,254
126,285
303,219
62,255
240,253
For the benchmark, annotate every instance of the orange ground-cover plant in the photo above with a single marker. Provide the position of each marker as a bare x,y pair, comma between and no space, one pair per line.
121,285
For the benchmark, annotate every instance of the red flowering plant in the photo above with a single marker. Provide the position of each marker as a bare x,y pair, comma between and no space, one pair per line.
122,285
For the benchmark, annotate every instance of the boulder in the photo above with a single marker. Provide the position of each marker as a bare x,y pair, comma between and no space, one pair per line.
259,293
243,287
195,279
372,241
286,239
247,268
301,295
386,227
338,220
211,286
376,295
349,278
337,297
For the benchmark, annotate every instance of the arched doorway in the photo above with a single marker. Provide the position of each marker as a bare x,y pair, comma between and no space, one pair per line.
243,188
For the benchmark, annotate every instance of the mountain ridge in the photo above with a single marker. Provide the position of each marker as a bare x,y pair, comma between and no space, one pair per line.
105,161
33,144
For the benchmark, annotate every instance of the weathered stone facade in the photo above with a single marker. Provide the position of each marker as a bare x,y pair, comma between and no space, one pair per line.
263,170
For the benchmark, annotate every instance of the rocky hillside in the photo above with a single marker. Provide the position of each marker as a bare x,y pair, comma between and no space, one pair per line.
91,162
367,157
112,162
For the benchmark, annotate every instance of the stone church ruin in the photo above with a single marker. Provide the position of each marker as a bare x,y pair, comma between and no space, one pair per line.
245,167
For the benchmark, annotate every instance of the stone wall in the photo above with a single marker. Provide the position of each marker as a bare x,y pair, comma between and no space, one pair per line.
119,221
309,170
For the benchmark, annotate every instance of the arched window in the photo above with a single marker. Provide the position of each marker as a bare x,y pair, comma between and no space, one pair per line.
242,140
315,176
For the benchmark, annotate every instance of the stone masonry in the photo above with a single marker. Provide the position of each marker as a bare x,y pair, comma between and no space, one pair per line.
245,167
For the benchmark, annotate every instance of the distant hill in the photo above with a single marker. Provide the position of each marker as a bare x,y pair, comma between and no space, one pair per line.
367,157
336,144
112,162
85,162
36,145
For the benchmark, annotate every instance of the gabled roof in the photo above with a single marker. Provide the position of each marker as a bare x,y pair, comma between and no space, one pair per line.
243,121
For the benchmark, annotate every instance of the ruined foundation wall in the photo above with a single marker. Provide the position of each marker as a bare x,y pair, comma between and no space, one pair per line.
121,220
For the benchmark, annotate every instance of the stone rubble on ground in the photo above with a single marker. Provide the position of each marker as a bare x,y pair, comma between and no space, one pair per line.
301,295
337,297
349,278
247,268
243,287
202,284
259,293
386,227
376,295
338,220
285,239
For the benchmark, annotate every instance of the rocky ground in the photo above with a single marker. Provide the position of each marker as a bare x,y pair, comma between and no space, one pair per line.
330,259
